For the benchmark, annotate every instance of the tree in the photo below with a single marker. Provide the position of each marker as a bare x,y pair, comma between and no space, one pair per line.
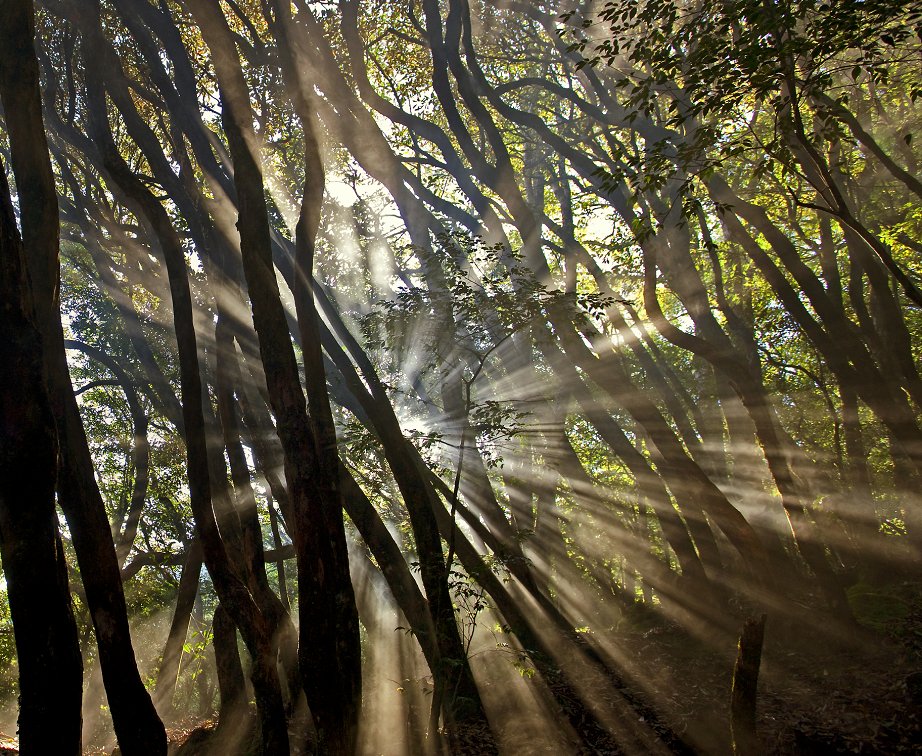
591,316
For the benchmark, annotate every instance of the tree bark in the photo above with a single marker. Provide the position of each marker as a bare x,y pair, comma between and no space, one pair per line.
233,716
329,653
179,628
137,726
253,625
743,692
47,647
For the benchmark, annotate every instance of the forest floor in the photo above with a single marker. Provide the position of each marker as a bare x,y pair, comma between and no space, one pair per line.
820,692
834,701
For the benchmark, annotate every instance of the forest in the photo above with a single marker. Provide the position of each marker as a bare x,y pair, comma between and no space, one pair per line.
423,377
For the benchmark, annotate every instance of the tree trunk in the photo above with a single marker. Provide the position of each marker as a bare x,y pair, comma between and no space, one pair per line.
233,717
179,628
329,651
47,647
743,692
253,625
137,726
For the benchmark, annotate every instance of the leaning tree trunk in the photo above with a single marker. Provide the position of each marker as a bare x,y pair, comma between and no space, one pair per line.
329,652
232,591
137,726
179,627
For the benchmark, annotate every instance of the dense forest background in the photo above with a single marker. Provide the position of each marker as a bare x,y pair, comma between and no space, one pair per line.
461,376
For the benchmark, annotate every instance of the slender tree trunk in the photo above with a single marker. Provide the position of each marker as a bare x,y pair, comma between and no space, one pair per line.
284,635
140,452
280,564
421,501
179,628
329,655
231,589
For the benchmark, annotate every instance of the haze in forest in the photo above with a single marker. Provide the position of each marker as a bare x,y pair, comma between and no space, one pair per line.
460,377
